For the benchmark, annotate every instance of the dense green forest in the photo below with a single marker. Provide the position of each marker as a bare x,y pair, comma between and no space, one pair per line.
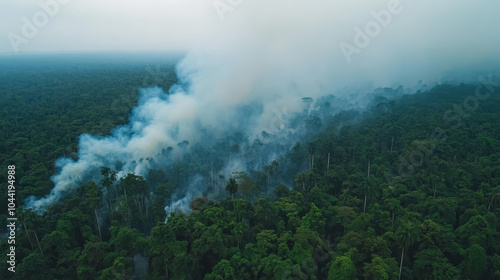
407,188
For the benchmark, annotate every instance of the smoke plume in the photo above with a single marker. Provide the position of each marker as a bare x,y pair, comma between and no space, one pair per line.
268,64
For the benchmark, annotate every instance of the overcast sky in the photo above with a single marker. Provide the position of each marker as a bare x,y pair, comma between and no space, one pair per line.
110,25
164,25
315,37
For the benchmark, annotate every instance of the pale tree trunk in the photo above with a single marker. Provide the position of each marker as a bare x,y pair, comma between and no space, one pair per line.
366,188
328,164
29,238
312,162
401,264
37,241
491,202
212,173
97,222
146,207
138,202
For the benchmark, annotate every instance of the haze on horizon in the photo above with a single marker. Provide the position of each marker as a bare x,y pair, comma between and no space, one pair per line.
425,40
176,25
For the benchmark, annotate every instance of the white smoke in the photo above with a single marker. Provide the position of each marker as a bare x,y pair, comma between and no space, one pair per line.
178,205
271,55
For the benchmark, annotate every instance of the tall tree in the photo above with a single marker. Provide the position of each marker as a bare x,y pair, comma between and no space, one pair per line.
109,178
93,200
232,186
406,235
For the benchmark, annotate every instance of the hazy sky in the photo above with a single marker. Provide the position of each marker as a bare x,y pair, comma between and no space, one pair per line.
164,25
377,39
109,25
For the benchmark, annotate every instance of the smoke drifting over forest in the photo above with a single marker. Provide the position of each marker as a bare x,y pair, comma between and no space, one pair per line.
260,81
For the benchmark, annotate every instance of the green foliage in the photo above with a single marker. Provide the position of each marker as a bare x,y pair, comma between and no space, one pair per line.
439,221
475,262
314,219
380,269
342,268
222,271
432,264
